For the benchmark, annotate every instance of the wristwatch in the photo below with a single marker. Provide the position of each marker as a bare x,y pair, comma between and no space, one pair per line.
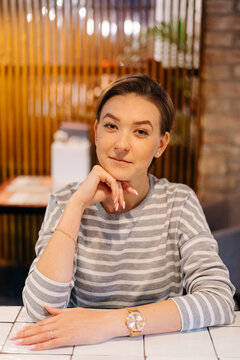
135,321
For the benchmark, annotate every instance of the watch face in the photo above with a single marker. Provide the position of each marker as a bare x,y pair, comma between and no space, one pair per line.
135,321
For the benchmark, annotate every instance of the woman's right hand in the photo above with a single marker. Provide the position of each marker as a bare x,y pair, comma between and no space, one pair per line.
98,185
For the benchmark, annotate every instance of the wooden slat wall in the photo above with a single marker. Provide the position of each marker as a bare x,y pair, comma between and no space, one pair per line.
55,58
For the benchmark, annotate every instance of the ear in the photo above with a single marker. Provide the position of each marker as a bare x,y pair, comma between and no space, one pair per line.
164,141
95,130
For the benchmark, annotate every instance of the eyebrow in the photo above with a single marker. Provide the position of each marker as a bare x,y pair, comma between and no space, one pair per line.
143,122
111,116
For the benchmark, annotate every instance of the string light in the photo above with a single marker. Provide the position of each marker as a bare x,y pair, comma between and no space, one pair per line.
90,26
29,17
105,28
52,14
44,10
82,12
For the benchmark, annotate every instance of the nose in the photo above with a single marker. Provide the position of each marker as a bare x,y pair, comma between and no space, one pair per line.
122,141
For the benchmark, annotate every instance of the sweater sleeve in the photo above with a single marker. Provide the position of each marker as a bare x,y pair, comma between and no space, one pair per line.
209,292
39,290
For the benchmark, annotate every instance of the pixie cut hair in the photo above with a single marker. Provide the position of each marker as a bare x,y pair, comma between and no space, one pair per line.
145,86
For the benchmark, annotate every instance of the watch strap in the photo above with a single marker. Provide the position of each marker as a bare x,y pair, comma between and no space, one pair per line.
132,309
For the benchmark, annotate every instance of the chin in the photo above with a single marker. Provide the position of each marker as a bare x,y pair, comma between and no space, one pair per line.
119,174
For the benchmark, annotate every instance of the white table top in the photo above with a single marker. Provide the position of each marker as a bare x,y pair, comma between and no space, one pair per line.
210,343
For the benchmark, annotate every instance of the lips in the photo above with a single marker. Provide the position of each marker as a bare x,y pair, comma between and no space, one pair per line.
119,160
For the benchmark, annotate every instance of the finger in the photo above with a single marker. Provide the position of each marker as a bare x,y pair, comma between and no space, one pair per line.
114,188
127,187
38,338
50,344
53,311
25,332
114,192
120,195
39,327
113,185
116,199
105,188
111,182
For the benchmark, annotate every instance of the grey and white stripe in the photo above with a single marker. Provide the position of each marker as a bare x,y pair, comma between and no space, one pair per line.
161,249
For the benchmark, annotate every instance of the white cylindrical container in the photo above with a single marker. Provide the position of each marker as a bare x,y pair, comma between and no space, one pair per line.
70,160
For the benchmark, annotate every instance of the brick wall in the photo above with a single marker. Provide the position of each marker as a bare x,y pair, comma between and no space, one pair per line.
219,165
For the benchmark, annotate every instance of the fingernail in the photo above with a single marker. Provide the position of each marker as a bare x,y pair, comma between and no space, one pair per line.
32,347
14,335
18,341
123,204
116,208
135,191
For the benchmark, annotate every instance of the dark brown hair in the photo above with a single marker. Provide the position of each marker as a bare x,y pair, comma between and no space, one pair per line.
144,86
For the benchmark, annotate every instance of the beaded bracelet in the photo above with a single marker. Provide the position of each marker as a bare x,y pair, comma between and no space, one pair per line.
70,237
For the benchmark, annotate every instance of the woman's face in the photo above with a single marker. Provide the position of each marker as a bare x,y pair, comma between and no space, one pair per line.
128,136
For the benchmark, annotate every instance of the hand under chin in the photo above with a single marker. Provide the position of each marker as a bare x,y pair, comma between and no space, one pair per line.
118,174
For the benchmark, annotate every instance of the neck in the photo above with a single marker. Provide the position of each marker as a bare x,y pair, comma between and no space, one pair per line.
131,201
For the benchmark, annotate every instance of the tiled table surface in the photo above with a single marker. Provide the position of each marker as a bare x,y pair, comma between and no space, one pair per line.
212,343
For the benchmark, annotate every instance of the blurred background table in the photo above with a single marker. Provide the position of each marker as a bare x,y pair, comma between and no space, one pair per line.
25,194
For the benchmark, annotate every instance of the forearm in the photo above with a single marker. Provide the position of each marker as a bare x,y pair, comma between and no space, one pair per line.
159,317
56,261
39,291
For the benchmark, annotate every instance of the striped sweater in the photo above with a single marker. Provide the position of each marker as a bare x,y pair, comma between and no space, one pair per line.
161,249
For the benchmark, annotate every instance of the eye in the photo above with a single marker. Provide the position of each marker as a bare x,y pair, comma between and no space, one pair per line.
110,126
142,132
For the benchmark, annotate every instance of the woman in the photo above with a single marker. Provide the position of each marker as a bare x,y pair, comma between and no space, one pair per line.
124,238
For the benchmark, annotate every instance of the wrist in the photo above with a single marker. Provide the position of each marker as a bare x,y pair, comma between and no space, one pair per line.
117,320
76,201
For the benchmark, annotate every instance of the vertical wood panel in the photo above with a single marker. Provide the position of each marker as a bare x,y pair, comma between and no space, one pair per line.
47,99
24,67
9,112
31,92
3,128
54,84
16,85
39,89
